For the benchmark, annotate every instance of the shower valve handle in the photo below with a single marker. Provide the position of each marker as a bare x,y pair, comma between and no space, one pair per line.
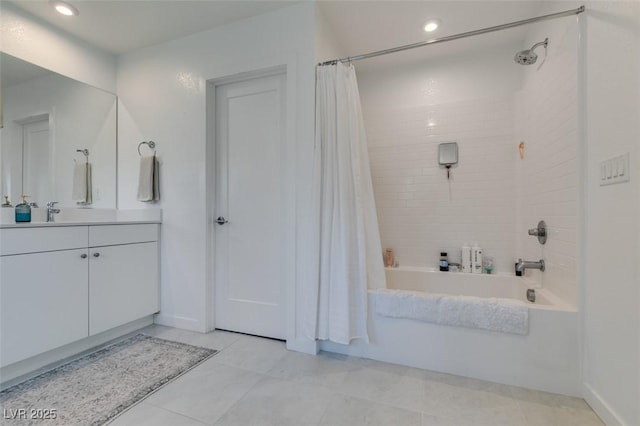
540,232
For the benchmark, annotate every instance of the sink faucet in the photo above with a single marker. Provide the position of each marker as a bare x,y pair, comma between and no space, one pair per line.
521,265
51,210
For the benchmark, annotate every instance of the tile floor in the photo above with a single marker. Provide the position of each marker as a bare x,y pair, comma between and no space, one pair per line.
255,381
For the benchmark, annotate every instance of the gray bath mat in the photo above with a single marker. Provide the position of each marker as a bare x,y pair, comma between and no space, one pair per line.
97,387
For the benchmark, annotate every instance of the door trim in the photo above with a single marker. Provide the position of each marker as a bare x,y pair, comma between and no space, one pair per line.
288,194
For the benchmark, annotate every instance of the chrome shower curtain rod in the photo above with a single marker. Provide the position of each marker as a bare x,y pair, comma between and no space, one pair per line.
457,36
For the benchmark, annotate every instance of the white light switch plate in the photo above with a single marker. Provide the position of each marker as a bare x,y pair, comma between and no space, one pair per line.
614,170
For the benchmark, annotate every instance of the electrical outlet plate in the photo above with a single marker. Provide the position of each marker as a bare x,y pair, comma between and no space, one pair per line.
614,170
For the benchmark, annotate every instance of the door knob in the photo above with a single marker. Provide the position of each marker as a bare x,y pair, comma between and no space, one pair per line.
96,254
221,220
83,256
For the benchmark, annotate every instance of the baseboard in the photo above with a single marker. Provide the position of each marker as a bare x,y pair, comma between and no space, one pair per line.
355,349
311,347
601,408
31,367
183,323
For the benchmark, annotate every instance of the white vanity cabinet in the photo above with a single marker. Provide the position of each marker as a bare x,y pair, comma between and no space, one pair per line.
60,284
44,302
123,275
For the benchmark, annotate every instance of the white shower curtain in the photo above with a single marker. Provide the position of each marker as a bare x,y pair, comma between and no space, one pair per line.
350,254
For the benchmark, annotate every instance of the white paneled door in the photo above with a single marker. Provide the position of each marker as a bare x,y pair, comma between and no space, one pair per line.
36,155
249,230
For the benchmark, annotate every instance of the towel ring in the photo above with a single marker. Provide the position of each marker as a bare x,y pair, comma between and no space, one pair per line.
150,144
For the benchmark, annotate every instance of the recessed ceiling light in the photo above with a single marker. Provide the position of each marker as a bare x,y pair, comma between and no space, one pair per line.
64,8
431,25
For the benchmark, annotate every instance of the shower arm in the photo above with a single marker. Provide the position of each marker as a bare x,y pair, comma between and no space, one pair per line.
542,43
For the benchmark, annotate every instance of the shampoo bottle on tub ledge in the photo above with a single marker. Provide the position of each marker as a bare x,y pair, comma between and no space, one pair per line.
465,262
476,260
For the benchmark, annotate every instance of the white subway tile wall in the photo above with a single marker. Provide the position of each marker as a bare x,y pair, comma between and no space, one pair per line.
549,172
420,211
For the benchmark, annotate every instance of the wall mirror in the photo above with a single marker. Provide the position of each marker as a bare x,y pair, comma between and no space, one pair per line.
50,124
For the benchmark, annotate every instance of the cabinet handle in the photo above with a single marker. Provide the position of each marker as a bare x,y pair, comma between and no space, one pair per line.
96,254
83,255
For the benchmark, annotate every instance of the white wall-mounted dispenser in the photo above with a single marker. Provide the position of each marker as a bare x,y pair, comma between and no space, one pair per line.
448,155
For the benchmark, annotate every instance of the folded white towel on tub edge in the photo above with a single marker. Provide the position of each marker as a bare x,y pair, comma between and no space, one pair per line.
493,314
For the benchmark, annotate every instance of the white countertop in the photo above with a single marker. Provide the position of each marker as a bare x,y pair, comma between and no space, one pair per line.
83,223
82,217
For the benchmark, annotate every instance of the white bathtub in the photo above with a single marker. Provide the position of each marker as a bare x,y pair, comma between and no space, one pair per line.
547,358
505,286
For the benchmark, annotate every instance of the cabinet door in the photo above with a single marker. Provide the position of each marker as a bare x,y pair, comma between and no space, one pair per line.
43,302
123,284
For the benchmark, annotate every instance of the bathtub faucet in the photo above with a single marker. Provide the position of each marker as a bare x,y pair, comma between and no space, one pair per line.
521,265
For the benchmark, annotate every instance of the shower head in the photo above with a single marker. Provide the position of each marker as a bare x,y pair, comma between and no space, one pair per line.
529,57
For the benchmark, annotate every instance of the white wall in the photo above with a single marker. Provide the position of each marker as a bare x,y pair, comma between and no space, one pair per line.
612,254
327,47
163,98
548,175
408,111
35,41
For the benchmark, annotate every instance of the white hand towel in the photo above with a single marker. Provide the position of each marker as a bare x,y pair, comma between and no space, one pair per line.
156,179
81,192
89,198
148,181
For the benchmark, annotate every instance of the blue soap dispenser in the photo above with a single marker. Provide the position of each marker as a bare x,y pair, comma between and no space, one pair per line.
23,210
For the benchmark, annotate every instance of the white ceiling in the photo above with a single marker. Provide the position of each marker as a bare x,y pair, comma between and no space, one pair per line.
119,26
358,26
366,26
